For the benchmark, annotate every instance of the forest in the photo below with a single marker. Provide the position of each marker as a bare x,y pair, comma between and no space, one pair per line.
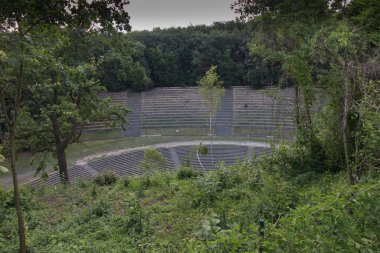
175,57
319,192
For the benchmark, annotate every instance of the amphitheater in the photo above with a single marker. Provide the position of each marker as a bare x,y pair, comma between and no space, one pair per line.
181,112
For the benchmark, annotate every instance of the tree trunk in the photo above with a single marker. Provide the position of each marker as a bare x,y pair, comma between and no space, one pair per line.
16,192
62,164
60,150
200,163
210,123
345,129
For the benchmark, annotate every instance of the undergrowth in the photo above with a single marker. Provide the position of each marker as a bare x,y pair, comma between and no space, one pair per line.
216,212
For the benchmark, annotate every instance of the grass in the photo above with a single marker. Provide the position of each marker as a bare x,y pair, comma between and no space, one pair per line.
217,212
101,134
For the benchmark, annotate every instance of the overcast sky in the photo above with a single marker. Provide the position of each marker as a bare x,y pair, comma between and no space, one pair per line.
147,14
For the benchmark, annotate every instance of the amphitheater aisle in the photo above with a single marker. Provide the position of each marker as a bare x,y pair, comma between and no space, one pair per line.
133,102
224,117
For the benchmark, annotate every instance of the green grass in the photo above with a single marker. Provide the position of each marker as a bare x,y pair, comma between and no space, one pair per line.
101,134
217,212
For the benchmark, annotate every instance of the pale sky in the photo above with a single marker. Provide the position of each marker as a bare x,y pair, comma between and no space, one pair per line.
147,14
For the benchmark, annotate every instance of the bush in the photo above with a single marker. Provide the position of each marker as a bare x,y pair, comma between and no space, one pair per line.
126,182
153,161
107,178
7,199
228,177
132,223
200,194
185,173
82,184
100,208
201,149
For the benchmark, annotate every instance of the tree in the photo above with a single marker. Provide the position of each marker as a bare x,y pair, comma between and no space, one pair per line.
12,83
119,66
18,19
348,79
180,56
211,90
153,161
63,100
201,150
330,45
284,31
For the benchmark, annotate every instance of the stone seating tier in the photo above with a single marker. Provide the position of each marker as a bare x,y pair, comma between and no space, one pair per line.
128,163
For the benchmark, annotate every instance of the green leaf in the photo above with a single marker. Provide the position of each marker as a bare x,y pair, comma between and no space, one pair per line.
3,169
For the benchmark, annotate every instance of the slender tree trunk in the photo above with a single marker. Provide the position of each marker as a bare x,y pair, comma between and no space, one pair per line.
212,155
200,163
60,152
16,192
11,122
210,123
345,128
62,164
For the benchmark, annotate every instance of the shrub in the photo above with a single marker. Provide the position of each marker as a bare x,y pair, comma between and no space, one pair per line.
153,161
201,149
100,208
126,182
228,177
185,173
200,194
145,183
107,178
94,191
292,160
81,184
133,221
7,199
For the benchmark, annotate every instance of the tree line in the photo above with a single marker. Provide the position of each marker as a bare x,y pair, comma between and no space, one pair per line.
141,60
181,56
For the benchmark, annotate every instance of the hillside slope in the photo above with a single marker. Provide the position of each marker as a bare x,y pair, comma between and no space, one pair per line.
190,212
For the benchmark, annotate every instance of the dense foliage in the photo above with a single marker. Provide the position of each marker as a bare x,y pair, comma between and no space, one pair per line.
19,22
181,56
325,44
191,212
175,57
